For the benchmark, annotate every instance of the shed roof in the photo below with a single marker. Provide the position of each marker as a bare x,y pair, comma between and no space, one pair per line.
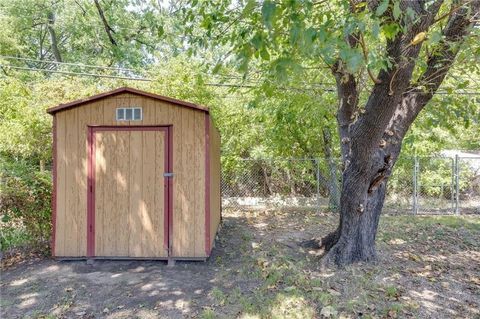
70,105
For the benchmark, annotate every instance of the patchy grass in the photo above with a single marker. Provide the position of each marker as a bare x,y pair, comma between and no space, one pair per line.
13,236
428,267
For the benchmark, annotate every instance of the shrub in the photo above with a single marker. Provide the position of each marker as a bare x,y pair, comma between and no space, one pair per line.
25,205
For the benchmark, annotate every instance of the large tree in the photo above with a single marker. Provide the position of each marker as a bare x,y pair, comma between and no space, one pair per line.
388,59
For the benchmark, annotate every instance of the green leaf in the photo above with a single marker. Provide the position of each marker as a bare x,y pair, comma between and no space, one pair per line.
217,68
376,29
257,41
249,7
354,61
390,30
264,54
160,31
397,12
435,37
6,218
383,6
268,13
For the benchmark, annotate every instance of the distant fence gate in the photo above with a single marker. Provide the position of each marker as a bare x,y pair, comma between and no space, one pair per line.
418,185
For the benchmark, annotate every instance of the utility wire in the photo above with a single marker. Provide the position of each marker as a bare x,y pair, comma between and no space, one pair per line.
76,73
8,57
232,85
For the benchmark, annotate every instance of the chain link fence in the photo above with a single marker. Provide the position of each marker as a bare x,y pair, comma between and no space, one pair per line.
418,185
467,185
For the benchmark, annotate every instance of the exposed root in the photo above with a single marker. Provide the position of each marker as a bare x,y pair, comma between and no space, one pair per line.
325,243
336,254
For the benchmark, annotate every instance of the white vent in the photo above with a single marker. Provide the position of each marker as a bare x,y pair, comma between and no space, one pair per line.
129,114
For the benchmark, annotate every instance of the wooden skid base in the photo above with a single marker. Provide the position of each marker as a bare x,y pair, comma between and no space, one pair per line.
134,258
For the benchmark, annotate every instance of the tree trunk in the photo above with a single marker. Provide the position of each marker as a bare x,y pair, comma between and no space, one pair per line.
354,240
363,182
53,37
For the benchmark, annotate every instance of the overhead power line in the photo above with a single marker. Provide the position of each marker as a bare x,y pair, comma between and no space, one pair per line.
76,73
233,85
9,57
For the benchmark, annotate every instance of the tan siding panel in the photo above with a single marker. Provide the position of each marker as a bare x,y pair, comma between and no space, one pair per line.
188,212
100,168
136,209
149,238
71,198
110,217
163,113
99,171
61,189
84,118
179,191
148,109
122,192
199,178
159,193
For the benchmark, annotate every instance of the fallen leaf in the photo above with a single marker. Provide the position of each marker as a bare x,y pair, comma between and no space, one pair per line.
334,292
328,312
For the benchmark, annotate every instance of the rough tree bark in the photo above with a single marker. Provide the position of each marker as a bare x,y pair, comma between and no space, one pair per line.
53,37
371,139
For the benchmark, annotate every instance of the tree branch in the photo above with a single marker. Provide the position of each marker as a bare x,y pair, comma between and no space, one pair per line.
53,37
348,96
107,27
387,94
365,55
438,64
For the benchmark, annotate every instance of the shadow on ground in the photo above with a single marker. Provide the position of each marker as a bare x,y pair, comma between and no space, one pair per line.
428,267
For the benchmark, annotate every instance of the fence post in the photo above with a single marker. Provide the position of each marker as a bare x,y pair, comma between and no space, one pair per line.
415,186
452,185
457,185
317,161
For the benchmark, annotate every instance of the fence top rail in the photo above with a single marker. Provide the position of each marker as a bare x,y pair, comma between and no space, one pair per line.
285,159
409,157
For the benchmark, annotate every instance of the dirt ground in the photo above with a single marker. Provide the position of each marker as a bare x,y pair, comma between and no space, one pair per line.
429,267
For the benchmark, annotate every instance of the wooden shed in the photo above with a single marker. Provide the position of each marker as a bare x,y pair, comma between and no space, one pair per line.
136,175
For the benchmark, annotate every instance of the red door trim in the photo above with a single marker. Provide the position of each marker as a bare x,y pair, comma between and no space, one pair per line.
207,184
54,187
91,194
168,189
169,216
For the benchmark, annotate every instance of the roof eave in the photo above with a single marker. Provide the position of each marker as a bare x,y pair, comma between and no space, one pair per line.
70,105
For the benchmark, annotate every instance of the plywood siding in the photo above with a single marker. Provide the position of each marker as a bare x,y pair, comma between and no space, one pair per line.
188,129
215,176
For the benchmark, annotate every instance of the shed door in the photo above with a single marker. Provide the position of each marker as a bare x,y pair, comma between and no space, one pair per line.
130,192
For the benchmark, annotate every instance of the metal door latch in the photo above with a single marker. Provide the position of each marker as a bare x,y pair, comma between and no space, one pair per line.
167,174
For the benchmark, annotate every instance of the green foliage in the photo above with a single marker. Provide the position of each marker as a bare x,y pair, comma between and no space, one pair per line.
24,128
275,53
26,210
136,30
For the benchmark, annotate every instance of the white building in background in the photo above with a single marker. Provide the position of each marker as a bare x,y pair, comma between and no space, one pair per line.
472,158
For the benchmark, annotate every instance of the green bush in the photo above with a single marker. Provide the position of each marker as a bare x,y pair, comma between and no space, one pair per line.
25,205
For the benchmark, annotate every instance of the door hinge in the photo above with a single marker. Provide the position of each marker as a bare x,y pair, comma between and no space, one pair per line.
167,174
